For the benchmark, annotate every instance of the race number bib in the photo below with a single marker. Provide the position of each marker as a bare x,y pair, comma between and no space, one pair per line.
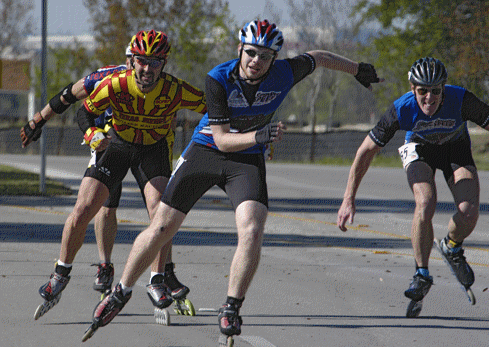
408,153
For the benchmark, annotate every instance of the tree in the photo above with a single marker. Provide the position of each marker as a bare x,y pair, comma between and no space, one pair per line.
454,32
112,27
16,22
327,95
466,46
198,30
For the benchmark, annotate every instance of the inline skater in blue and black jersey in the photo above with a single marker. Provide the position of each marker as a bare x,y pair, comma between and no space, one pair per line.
227,150
434,116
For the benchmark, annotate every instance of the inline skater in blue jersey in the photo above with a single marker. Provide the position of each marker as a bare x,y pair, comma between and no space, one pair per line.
434,116
105,221
227,150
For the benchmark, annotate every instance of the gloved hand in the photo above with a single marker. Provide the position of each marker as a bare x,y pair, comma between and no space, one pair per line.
94,136
267,134
366,74
32,130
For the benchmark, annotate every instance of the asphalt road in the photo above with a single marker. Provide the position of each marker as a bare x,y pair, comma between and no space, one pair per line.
316,286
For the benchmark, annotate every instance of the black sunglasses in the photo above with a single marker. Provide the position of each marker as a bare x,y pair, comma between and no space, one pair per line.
424,91
263,56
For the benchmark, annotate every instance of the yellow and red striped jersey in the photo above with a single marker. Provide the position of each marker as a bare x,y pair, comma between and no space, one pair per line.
144,118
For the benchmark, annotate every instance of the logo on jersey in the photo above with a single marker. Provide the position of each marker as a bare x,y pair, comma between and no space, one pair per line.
162,101
237,99
124,98
265,98
423,125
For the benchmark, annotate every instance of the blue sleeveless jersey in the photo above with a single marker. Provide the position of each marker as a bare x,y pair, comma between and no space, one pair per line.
91,82
245,118
444,126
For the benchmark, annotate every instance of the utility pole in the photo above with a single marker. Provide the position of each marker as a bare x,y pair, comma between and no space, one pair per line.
42,176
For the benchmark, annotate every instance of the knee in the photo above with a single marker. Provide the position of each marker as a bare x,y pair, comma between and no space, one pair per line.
81,215
468,213
251,236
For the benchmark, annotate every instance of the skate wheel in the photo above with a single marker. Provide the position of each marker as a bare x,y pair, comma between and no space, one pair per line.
190,308
178,309
226,341
414,309
39,312
89,332
45,307
162,316
471,296
184,307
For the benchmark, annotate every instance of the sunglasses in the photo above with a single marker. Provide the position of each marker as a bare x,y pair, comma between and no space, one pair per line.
424,91
154,63
263,56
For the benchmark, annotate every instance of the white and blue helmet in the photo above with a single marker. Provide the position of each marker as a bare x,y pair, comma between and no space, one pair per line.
263,34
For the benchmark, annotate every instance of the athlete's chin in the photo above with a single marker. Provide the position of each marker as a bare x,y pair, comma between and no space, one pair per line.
254,74
429,110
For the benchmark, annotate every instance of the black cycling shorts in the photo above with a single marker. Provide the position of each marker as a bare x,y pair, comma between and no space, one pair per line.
241,176
116,191
145,161
442,156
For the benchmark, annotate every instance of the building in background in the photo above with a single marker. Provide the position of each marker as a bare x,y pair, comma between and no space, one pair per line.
17,96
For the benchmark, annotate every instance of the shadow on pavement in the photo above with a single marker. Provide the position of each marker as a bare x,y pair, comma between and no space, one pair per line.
217,202
38,232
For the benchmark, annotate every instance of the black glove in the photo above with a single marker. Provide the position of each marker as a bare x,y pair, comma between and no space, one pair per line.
366,74
28,134
267,134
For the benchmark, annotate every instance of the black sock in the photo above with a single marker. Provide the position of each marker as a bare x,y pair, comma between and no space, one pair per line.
169,267
63,271
235,302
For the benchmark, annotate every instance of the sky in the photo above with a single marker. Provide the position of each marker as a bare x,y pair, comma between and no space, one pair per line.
70,17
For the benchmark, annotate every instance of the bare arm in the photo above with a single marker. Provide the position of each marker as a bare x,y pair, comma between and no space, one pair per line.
334,61
235,142
365,154
364,73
